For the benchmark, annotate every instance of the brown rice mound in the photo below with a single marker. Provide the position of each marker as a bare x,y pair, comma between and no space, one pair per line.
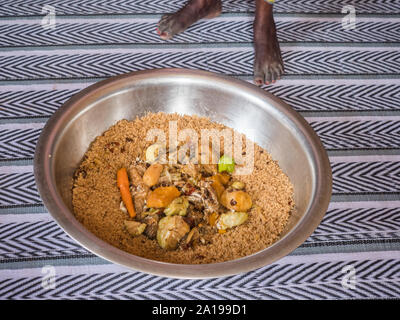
96,197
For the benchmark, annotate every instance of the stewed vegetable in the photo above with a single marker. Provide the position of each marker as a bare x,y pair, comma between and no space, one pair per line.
179,203
231,219
171,230
162,196
152,174
178,206
236,200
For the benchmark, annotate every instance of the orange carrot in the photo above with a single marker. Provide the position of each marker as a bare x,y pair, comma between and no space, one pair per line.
123,185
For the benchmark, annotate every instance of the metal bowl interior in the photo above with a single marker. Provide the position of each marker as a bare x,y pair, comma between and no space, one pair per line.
237,104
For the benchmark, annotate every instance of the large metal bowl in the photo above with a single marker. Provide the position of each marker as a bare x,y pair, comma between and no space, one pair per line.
235,103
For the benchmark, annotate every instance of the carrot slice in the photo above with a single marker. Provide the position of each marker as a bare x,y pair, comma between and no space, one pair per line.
123,185
213,218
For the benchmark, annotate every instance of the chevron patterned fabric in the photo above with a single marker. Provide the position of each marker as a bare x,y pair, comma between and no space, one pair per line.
346,83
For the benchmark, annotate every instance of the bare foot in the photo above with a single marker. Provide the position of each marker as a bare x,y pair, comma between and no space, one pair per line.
174,23
268,63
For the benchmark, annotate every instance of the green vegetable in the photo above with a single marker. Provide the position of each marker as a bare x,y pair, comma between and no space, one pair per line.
226,163
231,219
177,206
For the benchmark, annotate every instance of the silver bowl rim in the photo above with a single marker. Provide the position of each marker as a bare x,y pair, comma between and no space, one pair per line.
44,177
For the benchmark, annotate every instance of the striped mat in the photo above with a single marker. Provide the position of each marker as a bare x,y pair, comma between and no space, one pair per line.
346,83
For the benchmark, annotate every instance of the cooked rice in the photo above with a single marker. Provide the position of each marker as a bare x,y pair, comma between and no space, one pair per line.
96,197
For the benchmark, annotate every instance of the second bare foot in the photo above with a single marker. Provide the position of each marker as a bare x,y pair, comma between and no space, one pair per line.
174,23
268,63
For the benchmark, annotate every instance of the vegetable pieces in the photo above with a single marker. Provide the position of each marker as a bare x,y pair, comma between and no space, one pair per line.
123,185
152,174
178,206
231,219
237,200
217,184
171,229
212,218
161,197
238,185
154,152
226,163
169,207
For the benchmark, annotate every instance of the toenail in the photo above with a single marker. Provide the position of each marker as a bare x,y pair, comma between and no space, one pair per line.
164,35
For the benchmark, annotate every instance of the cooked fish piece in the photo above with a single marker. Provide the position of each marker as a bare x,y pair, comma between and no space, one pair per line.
209,169
195,216
139,189
196,198
210,197
191,170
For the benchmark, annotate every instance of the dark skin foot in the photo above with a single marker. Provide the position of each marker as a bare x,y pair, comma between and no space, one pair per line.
174,23
268,64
